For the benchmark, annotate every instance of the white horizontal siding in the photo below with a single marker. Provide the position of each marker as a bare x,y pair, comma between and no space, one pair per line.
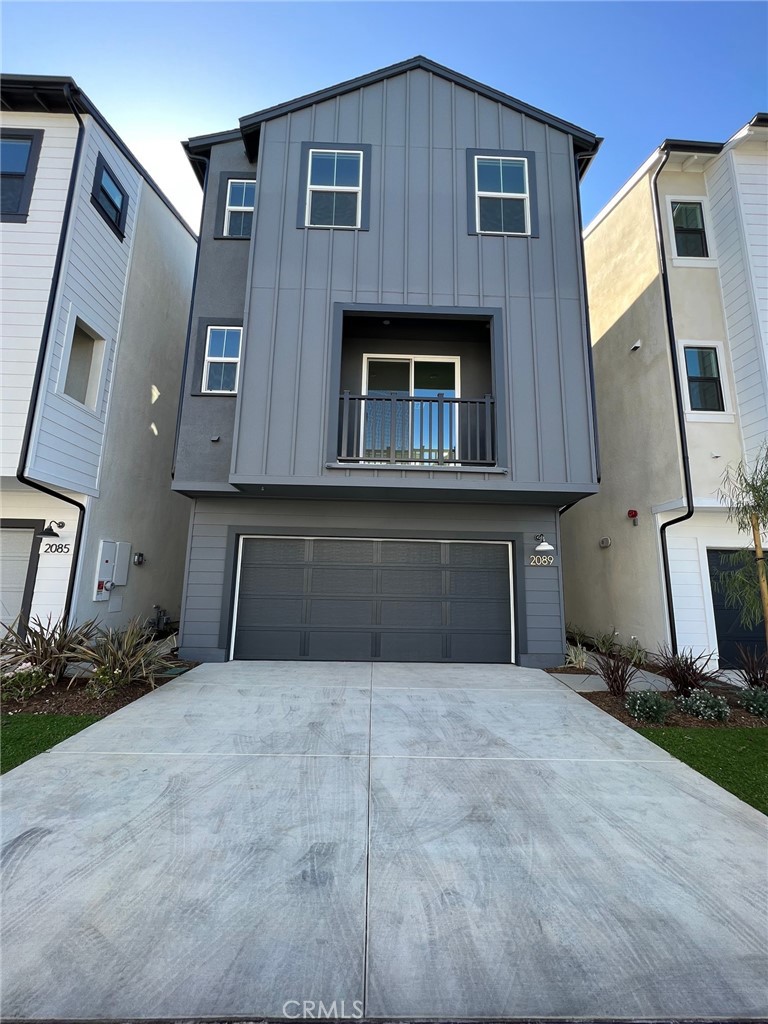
27,255
740,231
68,438
17,502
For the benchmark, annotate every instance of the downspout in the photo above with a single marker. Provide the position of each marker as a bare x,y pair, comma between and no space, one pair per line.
206,161
679,405
41,360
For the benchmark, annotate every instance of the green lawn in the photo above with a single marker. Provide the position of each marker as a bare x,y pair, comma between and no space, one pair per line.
23,736
736,759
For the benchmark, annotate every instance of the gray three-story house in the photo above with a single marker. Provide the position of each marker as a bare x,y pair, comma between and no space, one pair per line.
387,396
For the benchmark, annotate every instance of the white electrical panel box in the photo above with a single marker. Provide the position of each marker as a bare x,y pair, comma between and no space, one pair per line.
112,568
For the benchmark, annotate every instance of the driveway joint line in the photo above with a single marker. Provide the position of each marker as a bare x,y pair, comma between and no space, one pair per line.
491,757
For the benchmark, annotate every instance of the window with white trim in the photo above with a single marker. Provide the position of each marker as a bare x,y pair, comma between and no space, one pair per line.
222,360
502,196
705,387
334,188
690,233
238,218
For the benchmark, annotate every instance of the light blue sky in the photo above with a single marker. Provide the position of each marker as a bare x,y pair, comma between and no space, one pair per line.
635,73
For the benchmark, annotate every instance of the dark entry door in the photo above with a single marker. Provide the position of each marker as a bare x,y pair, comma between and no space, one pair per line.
730,632
373,600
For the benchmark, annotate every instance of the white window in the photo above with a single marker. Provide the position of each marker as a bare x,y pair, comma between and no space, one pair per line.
334,187
502,198
82,379
706,389
222,360
238,219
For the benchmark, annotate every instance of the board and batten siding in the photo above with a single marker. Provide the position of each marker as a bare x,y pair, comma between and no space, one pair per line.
738,195
541,636
68,437
417,252
28,253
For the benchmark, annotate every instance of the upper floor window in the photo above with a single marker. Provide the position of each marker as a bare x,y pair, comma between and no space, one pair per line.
705,389
19,153
502,195
334,187
690,234
109,197
222,360
82,367
238,217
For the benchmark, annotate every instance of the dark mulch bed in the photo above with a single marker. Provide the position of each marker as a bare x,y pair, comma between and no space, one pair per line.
569,670
739,717
69,698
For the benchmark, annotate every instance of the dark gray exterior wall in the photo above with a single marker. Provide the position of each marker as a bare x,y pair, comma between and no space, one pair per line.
417,252
218,299
217,523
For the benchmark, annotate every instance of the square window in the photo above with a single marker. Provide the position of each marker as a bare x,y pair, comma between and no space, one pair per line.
705,389
241,199
222,360
502,195
109,197
690,234
334,188
19,153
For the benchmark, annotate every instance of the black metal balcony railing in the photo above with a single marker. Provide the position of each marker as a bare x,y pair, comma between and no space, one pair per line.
436,431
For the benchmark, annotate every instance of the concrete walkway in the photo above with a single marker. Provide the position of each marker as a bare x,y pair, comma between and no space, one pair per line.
400,840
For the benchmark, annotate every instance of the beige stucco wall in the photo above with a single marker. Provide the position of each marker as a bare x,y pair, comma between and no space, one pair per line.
620,587
135,502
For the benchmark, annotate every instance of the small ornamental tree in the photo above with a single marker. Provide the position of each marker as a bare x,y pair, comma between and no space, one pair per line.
744,489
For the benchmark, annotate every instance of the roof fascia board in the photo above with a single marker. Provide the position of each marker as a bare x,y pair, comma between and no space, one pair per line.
423,63
87,106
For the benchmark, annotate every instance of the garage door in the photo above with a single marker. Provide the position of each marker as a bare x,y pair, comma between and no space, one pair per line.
373,600
730,632
15,550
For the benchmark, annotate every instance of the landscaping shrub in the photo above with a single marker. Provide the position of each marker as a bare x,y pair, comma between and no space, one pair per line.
576,635
576,656
121,656
616,672
755,701
753,667
647,706
634,652
684,671
48,646
23,681
705,705
606,643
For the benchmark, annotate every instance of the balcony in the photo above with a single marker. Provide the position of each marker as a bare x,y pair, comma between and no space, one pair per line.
413,431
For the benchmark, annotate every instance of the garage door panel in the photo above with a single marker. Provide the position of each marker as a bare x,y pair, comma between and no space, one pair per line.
409,553
426,582
481,648
479,615
402,646
268,645
411,613
337,580
361,600
479,583
340,646
273,579
272,611
338,612
346,552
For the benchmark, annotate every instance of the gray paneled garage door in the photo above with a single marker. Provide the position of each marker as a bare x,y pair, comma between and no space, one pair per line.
370,600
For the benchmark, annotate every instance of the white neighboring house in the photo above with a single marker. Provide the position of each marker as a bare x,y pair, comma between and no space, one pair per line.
677,272
97,271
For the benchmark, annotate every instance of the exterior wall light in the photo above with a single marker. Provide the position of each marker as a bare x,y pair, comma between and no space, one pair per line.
49,530
543,544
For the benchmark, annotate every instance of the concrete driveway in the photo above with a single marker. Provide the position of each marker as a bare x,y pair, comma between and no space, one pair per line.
394,840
